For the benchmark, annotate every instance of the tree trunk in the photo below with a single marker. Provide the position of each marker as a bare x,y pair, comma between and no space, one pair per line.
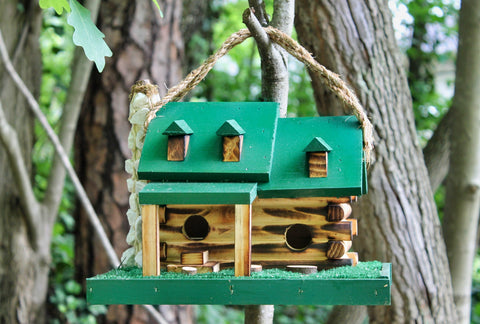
463,180
145,46
23,268
397,219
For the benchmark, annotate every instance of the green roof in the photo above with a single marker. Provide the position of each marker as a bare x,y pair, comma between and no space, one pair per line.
273,154
289,177
204,159
317,145
230,128
178,127
164,193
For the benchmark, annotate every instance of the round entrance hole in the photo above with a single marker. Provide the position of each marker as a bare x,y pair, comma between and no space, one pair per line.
196,228
298,237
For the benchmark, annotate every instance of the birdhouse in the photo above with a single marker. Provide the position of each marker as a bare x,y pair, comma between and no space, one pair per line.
274,206
248,191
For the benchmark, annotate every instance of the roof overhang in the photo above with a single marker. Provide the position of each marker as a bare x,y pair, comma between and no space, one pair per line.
197,193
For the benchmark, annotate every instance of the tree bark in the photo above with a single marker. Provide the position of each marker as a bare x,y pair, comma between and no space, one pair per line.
462,200
145,46
436,152
397,219
23,267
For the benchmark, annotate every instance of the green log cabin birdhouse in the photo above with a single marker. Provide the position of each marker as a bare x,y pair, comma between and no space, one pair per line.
232,184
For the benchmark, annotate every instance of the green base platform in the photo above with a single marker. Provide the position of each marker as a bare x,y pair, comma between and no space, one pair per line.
281,288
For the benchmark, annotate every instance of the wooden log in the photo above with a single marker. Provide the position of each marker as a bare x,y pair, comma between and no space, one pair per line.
232,148
177,147
317,164
161,214
194,258
150,241
304,269
163,251
204,268
268,233
354,224
337,249
338,212
243,240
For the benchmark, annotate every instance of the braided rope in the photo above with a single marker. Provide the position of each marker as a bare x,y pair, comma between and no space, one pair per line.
329,78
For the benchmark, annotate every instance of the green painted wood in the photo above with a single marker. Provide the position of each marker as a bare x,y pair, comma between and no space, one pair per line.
178,127
156,193
317,145
242,291
230,128
204,161
289,176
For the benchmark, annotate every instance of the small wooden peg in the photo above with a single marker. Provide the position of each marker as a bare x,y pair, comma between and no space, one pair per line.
194,258
189,270
255,268
337,249
338,212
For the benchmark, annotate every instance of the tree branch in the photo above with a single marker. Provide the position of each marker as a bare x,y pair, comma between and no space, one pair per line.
283,15
112,256
274,64
259,11
436,152
31,207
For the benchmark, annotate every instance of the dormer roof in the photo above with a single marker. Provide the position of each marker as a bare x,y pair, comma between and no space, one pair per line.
318,145
178,127
230,128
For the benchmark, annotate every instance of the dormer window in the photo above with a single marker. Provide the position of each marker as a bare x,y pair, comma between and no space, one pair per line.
317,156
232,134
178,139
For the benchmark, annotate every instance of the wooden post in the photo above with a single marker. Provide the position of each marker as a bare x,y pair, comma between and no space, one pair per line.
150,241
243,240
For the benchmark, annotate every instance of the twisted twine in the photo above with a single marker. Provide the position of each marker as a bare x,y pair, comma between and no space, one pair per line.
329,78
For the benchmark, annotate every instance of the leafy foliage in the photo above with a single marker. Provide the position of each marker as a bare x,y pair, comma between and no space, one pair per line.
88,35
58,5
66,299
432,34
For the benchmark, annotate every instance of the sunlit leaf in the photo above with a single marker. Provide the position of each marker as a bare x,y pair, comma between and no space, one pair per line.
87,35
58,5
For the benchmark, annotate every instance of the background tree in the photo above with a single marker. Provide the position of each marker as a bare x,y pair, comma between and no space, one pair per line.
398,219
25,250
145,46
463,180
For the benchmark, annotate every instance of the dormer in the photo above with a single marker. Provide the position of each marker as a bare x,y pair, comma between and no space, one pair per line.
178,138
317,156
232,134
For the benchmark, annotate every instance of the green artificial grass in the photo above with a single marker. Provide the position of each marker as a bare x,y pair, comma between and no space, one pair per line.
363,270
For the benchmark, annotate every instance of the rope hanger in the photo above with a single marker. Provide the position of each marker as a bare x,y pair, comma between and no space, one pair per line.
329,78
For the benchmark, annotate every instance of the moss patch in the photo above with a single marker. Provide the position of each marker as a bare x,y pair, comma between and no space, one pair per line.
363,270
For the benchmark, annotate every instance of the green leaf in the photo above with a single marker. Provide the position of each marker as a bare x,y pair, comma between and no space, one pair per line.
87,35
58,5
158,6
